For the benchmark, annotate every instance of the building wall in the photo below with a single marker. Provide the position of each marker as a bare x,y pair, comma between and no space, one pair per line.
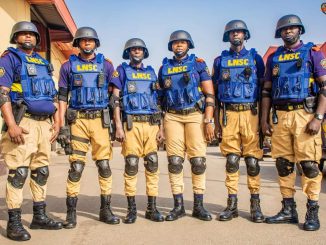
11,11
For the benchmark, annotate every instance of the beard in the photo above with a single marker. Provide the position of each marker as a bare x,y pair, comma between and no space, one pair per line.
291,39
237,42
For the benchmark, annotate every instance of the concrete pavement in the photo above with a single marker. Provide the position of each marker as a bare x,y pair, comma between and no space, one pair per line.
184,231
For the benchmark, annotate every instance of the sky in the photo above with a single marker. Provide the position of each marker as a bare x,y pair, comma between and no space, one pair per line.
154,20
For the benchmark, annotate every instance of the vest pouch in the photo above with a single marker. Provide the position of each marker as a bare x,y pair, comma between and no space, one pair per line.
180,97
237,90
46,88
144,101
90,95
190,95
100,98
100,80
71,116
78,80
31,69
186,77
226,75
310,104
79,95
286,87
36,89
133,101
297,86
169,98
50,68
152,102
227,91
131,87
248,90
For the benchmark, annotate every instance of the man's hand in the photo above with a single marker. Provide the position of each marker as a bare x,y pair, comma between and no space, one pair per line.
64,136
119,134
16,134
266,129
313,126
160,137
55,131
209,132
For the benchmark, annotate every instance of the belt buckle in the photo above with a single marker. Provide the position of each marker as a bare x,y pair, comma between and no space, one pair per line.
290,107
240,107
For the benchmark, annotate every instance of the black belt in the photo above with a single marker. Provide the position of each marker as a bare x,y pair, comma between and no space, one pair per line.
289,107
89,114
183,112
141,118
240,107
36,117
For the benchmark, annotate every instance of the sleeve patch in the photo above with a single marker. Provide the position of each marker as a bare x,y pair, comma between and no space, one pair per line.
108,60
200,60
315,48
115,74
323,63
2,71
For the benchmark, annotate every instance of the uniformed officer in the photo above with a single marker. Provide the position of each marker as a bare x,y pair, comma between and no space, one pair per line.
237,74
86,77
28,100
141,131
293,72
188,100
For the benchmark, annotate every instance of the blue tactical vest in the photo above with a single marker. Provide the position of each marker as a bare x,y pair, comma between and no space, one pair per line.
238,81
139,91
38,88
291,75
88,86
181,88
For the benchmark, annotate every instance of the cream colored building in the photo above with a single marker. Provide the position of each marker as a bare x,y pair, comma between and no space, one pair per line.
54,22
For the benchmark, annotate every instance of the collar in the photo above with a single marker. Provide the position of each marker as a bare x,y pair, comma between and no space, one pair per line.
296,48
242,52
91,60
137,68
183,60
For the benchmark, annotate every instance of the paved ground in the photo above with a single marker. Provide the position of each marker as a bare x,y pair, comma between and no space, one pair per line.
184,231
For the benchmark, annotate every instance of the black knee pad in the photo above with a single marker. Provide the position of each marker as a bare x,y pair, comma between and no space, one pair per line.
40,175
232,163
103,167
253,167
151,162
19,178
284,167
310,169
198,165
175,164
131,165
76,170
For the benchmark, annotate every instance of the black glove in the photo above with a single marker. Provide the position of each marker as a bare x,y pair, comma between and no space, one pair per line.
64,136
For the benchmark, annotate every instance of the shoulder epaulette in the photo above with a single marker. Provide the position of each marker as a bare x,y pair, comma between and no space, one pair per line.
4,53
108,60
200,60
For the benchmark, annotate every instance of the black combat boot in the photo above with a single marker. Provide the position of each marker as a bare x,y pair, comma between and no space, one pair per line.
199,211
71,219
151,212
231,210
106,214
15,228
132,211
178,211
41,220
255,211
288,214
312,221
